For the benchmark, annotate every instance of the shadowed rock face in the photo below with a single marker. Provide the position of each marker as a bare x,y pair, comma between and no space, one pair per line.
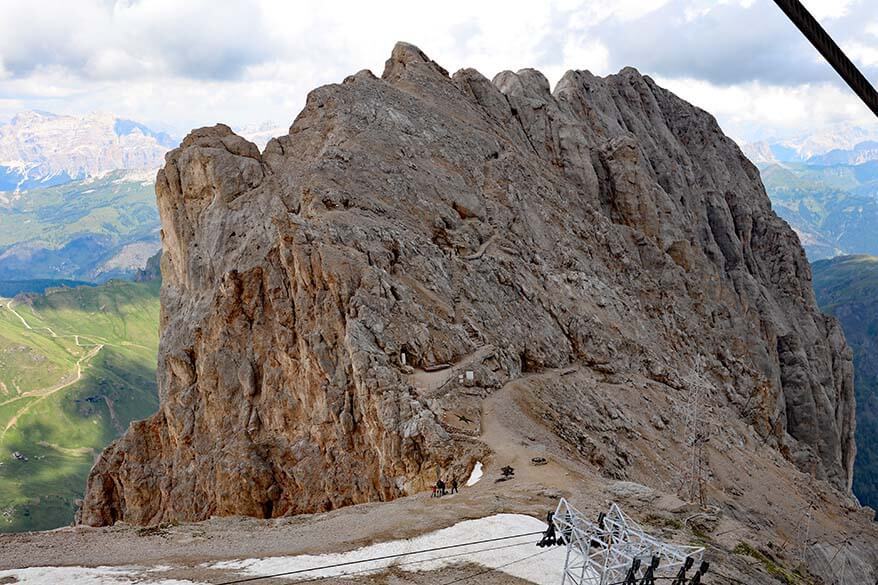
607,224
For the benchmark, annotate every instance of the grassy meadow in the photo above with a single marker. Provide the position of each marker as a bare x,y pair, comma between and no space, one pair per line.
76,366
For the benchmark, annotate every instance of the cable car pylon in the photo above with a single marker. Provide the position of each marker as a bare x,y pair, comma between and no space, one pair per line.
616,550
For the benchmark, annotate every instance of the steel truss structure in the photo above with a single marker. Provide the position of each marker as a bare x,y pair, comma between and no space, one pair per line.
604,553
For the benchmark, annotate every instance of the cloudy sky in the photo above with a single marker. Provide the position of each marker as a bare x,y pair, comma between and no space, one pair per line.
175,65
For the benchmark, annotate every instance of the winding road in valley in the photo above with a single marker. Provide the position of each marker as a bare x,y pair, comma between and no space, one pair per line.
43,393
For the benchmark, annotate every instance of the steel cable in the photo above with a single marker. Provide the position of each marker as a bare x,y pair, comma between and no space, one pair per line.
833,54
379,558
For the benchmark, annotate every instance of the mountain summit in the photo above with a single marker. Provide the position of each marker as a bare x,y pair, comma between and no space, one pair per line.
40,149
346,314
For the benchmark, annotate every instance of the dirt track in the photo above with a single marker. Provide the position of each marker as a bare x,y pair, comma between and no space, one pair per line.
43,393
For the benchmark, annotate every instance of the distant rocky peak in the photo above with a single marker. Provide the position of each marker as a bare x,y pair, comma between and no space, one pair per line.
30,116
841,141
259,134
40,149
126,127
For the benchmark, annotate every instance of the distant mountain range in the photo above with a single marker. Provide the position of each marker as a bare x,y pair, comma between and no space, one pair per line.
40,149
77,196
260,134
91,229
826,186
842,144
833,208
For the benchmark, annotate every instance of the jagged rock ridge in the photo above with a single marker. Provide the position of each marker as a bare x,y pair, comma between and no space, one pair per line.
606,224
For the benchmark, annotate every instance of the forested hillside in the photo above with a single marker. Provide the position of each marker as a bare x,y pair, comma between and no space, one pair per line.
847,287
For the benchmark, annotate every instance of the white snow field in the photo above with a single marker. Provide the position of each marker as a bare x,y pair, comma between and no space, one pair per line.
90,576
519,557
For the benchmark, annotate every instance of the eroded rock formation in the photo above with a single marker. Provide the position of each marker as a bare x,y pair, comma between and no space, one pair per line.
606,224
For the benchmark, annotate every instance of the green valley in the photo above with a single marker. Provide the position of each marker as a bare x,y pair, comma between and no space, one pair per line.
92,229
847,287
834,208
76,366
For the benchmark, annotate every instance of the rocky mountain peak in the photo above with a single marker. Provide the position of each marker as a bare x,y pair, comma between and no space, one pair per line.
337,309
404,56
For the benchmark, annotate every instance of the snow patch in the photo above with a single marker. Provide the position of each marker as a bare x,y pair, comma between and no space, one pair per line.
19,166
518,557
87,576
476,475
142,176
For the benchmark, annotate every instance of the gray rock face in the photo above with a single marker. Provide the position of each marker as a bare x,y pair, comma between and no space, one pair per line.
606,224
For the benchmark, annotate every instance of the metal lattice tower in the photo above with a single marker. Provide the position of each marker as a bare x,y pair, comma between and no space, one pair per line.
697,435
803,535
604,552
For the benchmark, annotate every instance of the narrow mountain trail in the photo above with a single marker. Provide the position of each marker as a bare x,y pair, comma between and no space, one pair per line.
76,337
516,439
431,381
513,436
42,394
24,322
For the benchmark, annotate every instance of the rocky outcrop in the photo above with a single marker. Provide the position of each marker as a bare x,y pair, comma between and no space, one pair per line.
422,218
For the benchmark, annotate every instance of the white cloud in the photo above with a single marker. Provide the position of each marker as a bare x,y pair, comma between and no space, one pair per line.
863,54
829,9
623,10
582,53
128,39
754,111
175,65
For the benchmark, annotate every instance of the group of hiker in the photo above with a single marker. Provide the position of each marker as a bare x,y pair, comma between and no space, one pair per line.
440,489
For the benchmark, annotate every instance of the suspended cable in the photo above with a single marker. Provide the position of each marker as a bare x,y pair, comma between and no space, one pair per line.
380,558
407,563
833,54
492,569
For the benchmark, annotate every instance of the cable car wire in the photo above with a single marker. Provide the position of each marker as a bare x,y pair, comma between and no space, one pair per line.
379,558
833,54
491,569
407,563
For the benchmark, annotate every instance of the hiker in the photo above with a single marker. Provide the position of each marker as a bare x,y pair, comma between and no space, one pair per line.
453,485
435,492
440,486
549,538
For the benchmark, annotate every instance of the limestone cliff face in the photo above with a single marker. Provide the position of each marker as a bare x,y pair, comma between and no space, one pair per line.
606,224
